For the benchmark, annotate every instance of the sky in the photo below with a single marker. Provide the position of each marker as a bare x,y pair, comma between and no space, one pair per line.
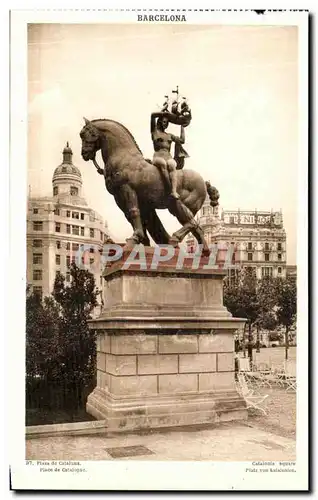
241,83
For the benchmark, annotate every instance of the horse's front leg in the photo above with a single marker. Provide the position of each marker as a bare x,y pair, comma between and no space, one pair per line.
126,198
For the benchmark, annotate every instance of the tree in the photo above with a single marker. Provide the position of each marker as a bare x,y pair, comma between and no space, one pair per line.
241,299
77,342
42,333
265,303
267,296
286,306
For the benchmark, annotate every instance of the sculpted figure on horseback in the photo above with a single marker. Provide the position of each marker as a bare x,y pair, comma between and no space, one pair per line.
140,186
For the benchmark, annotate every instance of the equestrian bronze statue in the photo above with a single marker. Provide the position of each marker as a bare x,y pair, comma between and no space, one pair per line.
141,186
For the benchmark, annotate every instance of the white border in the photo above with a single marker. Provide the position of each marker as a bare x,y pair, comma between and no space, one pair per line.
184,475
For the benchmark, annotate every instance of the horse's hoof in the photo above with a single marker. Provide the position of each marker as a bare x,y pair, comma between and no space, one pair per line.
130,243
174,242
175,196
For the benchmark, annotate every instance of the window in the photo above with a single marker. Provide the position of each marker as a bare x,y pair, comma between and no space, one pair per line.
37,258
91,233
37,226
55,191
266,247
58,244
37,274
68,260
37,290
57,227
68,277
35,210
37,243
75,215
249,256
75,230
73,258
82,216
91,261
232,273
205,210
75,246
68,213
68,246
101,235
266,257
267,271
58,260
68,228
279,270
57,211
279,247
91,250
231,220
249,246
82,231
101,280
74,191
279,256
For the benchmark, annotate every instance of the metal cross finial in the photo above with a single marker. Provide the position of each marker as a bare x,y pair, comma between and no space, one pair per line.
176,91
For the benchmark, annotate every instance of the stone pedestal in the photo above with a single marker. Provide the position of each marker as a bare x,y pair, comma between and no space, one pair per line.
165,350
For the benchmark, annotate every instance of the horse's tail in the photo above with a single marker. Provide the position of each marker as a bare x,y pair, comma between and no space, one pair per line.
213,194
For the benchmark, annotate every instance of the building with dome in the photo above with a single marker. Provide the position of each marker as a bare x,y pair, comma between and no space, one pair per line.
256,239
62,229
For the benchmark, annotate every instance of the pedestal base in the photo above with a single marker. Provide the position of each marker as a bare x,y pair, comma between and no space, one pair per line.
165,411
165,351
150,380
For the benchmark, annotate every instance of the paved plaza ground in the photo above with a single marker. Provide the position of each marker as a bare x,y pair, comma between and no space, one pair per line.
226,442
281,405
261,437
281,413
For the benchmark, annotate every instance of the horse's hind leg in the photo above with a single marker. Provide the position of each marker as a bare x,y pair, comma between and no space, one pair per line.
155,227
146,241
189,224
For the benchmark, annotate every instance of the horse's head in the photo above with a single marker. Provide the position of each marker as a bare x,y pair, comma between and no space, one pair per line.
90,136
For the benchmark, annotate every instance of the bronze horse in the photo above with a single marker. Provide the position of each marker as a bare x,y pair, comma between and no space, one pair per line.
138,187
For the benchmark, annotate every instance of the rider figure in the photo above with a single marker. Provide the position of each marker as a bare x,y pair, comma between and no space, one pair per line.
162,144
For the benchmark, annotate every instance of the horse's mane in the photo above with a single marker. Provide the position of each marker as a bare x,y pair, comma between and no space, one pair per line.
123,127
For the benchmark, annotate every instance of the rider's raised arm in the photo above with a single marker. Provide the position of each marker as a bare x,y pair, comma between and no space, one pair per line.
153,118
181,139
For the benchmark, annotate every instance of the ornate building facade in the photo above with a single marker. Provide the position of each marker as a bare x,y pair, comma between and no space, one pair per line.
256,239
62,229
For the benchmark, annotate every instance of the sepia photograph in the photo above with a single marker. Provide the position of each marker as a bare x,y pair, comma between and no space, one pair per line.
165,306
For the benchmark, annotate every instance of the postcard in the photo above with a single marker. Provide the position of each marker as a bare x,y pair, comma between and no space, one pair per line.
158,172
